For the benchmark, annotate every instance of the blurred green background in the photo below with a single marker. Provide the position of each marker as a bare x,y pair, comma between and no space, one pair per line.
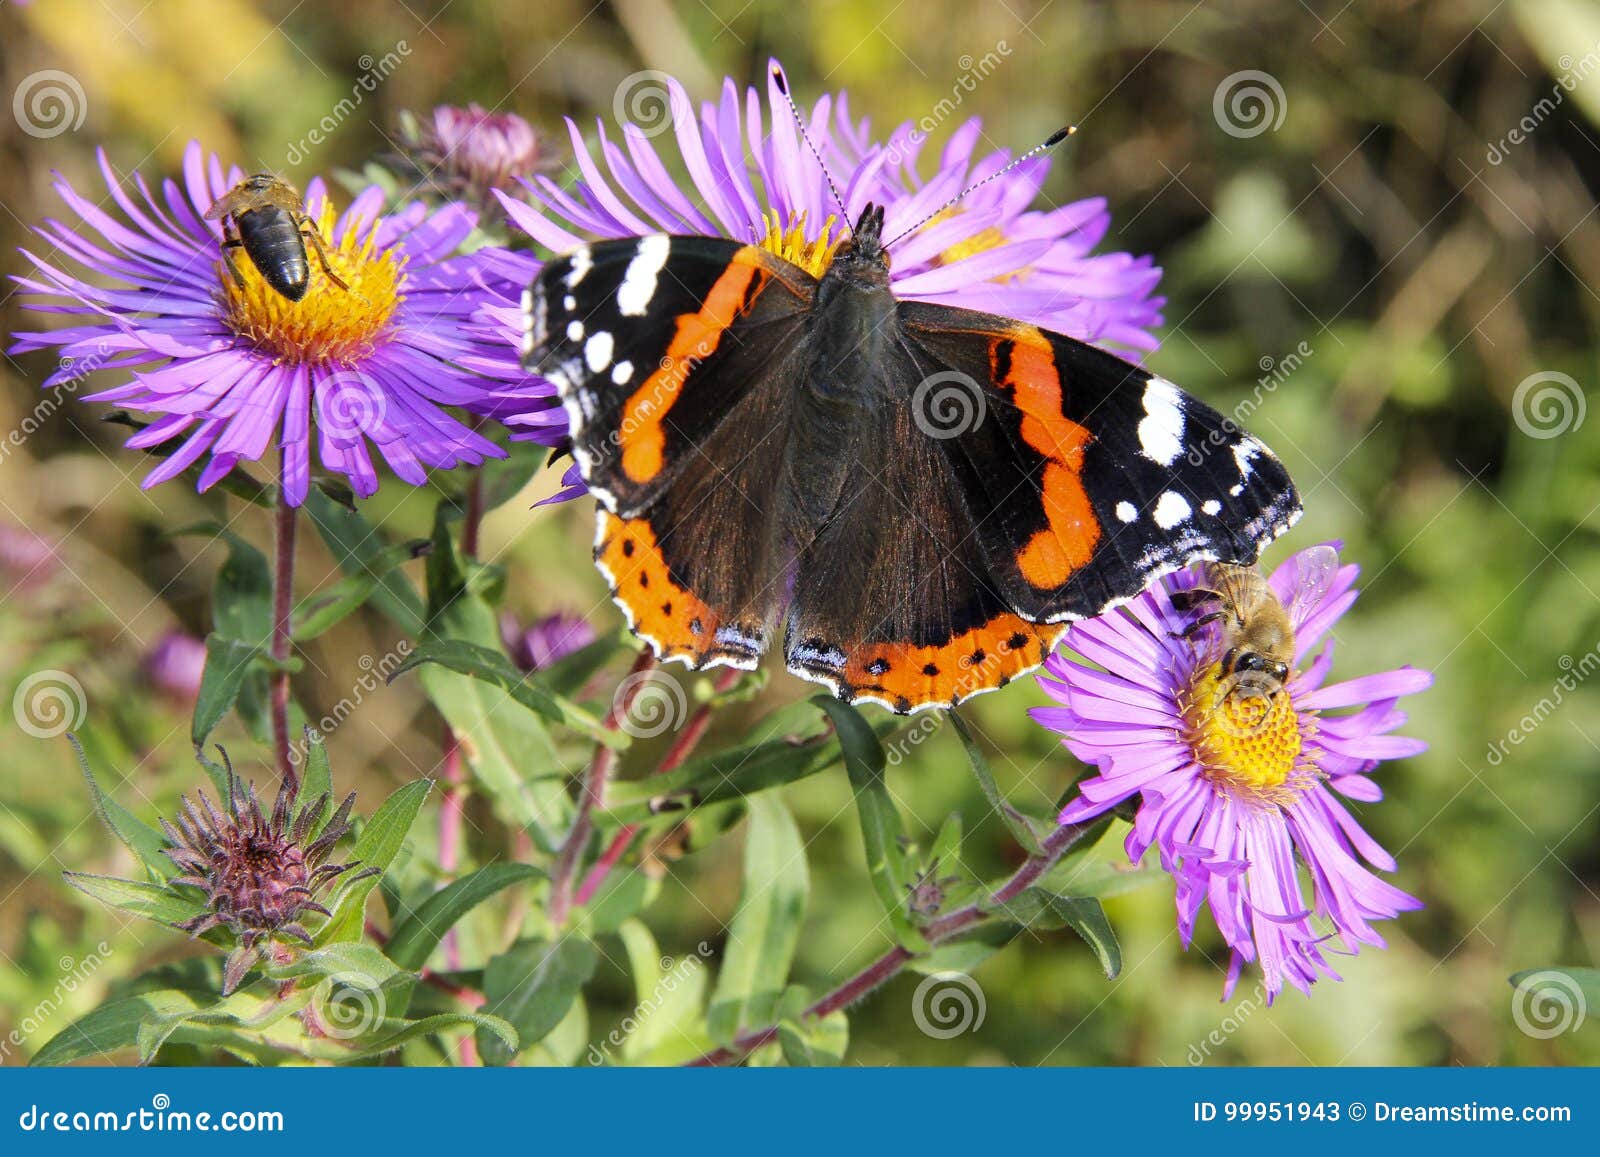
1379,248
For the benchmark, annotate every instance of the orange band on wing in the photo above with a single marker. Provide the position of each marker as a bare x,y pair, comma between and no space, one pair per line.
1072,531
906,677
678,623
644,437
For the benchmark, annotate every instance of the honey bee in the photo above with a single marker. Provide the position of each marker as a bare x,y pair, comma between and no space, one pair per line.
1255,628
266,217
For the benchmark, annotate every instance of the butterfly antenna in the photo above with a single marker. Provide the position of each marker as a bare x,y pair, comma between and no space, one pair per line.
799,123
1050,142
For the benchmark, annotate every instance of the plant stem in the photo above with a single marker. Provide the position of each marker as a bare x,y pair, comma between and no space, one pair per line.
892,961
452,808
282,606
595,778
682,747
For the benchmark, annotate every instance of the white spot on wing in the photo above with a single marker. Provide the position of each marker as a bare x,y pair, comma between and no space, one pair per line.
569,303
575,331
622,372
582,262
1171,509
597,351
1127,511
1161,430
1243,451
1212,507
639,282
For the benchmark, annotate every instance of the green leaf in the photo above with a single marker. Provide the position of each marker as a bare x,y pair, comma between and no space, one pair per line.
228,662
325,610
151,901
667,1025
377,846
504,478
419,934
809,1041
1552,990
881,827
317,780
532,985
766,925
1040,908
144,841
794,746
621,896
112,1027
489,1028
355,545
491,666
1025,829
241,597
364,960
1102,870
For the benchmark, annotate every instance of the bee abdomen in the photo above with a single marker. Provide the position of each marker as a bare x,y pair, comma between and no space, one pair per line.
272,240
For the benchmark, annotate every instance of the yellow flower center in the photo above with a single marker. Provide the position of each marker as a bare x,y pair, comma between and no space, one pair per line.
791,244
328,324
1247,737
980,242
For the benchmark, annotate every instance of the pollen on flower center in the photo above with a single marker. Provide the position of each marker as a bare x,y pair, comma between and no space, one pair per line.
791,243
329,324
1246,739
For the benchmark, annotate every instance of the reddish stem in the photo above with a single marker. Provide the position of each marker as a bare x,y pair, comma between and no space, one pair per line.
595,778
682,747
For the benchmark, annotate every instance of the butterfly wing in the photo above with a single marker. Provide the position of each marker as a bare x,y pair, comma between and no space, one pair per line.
892,603
674,358
1087,477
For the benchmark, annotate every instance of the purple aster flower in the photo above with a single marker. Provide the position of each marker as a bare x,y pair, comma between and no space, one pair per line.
547,640
1235,788
230,370
757,181
175,665
466,152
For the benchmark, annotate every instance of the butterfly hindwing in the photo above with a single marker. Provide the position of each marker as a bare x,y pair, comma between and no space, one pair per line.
892,603
1087,477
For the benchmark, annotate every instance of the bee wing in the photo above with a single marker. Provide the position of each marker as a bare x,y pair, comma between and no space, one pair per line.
1317,567
223,205
1239,587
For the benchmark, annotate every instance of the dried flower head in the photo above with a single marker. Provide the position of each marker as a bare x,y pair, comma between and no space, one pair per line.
260,875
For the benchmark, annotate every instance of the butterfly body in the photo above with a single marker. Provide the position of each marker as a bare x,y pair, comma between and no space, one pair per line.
911,499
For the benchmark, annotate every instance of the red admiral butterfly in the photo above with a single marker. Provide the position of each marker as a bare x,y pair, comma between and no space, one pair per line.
767,446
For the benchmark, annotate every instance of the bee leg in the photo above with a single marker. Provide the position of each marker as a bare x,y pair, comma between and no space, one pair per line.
1189,631
310,232
230,242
